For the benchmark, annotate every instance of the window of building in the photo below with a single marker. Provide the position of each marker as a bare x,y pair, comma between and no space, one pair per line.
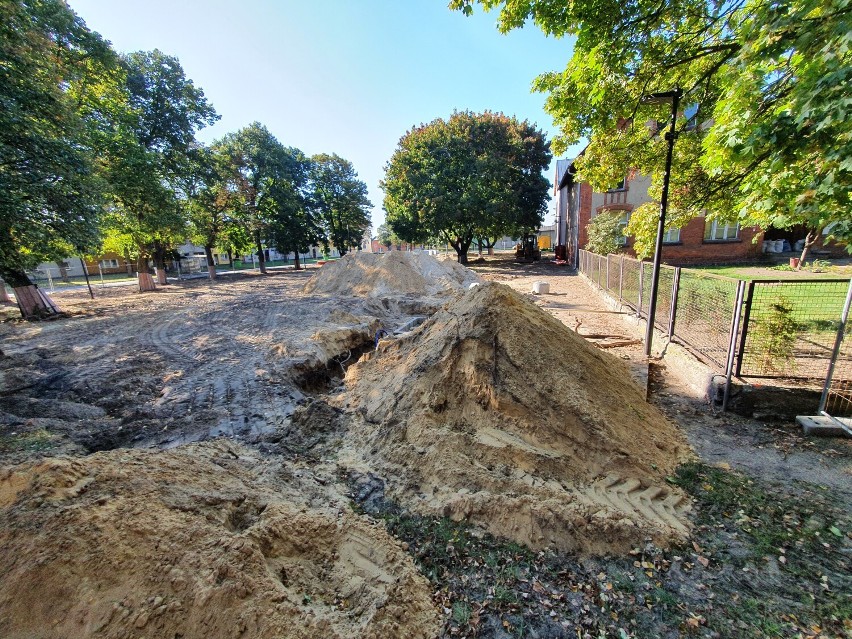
622,224
691,115
621,186
671,236
716,230
109,263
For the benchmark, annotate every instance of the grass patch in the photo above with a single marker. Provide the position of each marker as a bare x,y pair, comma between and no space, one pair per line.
788,553
35,441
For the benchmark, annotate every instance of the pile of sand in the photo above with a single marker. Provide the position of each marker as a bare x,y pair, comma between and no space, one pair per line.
397,273
209,540
461,421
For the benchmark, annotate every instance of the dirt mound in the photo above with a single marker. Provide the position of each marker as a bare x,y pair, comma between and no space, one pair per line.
209,540
460,424
390,274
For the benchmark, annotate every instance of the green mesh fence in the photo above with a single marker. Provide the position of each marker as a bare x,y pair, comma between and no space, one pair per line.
791,328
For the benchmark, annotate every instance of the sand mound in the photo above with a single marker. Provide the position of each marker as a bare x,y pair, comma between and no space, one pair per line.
459,423
204,541
390,274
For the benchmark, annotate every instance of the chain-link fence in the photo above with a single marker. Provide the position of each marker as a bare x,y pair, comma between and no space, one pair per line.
790,327
694,307
836,398
768,329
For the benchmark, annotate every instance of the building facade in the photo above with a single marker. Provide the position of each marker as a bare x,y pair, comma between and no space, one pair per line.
700,241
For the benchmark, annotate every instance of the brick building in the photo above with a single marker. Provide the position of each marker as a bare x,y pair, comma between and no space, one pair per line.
701,241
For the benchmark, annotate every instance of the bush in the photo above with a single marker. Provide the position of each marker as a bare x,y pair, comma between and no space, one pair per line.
606,233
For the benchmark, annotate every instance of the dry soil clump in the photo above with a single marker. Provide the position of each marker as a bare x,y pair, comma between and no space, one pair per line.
461,421
208,540
396,273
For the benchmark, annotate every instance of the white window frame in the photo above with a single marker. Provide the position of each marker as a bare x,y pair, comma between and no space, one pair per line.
721,232
672,236
109,263
622,224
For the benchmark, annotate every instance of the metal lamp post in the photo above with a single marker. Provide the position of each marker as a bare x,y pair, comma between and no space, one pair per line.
673,98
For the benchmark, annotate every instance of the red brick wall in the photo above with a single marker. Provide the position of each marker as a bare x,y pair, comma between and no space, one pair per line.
693,249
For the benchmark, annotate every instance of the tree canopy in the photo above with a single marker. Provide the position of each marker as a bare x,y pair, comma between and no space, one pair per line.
771,143
340,201
268,180
150,161
50,193
472,175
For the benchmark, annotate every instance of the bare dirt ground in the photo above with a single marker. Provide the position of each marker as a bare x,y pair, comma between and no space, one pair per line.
318,507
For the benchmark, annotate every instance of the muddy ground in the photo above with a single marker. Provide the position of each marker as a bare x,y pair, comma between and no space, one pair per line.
258,362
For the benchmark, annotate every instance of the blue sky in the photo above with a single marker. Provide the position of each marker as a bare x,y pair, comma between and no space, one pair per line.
338,76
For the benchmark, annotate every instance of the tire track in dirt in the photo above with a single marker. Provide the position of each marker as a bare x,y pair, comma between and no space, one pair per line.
653,503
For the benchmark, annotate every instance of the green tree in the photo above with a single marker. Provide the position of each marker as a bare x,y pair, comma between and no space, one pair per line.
294,226
50,193
152,157
605,233
340,200
473,175
208,202
266,178
773,143
386,236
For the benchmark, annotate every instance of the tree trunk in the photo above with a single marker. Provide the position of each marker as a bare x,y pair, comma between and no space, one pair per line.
160,263
127,263
461,245
810,239
260,257
32,302
146,282
211,265
4,294
63,272
296,265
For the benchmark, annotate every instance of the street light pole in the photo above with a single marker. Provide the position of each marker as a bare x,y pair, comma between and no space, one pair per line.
672,97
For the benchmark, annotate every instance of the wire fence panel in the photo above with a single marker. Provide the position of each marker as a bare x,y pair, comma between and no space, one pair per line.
612,274
664,297
792,328
789,328
839,398
630,283
705,308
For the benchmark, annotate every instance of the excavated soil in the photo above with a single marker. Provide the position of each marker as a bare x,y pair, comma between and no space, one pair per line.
209,540
494,412
119,517
396,273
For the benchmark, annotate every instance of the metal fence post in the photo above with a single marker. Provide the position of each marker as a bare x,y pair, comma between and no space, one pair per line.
732,344
746,317
620,278
607,274
673,306
641,288
844,318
